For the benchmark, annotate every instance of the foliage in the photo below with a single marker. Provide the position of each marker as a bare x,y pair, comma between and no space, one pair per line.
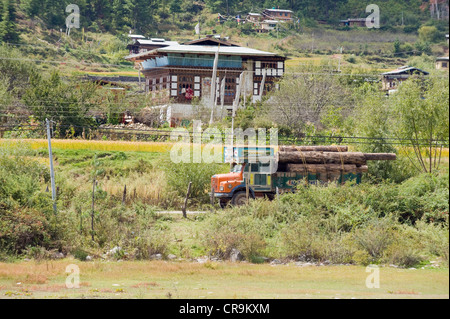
304,98
421,109
180,175
68,106
8,28
429,34
25,211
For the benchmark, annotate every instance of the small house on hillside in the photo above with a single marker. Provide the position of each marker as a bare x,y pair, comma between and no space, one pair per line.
143,45
267,26
254,17
442,63
277,14
353,22
391,80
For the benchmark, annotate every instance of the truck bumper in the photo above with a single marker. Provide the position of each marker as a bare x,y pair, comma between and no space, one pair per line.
221,195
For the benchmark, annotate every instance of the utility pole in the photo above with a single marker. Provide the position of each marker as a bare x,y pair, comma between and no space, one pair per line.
235,106
222,95
52,172
214,85
261,89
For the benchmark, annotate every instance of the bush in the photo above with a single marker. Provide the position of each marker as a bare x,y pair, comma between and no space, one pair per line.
149,243
21,228
375,238
235,230
180,175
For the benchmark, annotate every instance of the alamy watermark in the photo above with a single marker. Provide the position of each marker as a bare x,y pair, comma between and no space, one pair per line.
73,279
206,146
73,20
373,20
373,280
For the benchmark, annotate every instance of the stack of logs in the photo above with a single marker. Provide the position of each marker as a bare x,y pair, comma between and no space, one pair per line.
332,160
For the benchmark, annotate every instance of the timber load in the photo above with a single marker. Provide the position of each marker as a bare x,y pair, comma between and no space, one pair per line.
327,159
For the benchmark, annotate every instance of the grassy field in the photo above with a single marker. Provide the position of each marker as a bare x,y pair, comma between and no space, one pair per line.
210,280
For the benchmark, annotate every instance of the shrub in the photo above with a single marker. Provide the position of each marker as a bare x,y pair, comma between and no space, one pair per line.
375,238
303,239
180,175
235,229
150,243
21,228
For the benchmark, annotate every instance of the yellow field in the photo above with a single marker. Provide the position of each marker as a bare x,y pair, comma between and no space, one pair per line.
120,146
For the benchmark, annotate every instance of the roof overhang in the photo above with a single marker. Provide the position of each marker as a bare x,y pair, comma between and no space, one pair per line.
223,50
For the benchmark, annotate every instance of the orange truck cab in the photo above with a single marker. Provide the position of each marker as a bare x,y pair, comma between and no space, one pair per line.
251,168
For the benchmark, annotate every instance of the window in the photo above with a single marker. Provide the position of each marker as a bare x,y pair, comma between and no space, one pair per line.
444,65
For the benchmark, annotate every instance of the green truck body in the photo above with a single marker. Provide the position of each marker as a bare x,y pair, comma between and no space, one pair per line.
255,171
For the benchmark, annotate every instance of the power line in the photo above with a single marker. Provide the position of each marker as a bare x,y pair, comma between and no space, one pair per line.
151,130
205,68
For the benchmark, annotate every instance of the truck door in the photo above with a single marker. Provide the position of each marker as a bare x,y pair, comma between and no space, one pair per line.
260,180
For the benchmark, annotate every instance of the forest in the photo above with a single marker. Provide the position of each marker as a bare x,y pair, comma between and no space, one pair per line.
144,15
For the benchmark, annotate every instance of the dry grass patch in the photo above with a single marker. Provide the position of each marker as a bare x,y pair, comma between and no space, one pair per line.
158,279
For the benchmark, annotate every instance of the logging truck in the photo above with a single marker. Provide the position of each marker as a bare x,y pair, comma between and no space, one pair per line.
267,171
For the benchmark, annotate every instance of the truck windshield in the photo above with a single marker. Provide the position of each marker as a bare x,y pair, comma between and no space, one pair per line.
237,168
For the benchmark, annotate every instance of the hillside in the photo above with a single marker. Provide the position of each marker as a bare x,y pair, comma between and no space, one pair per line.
37,28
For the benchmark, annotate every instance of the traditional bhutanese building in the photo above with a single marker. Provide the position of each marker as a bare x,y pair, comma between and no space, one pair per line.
183,72
278,14
391,80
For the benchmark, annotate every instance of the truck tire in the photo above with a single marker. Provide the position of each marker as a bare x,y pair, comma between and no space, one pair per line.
223,203
239,199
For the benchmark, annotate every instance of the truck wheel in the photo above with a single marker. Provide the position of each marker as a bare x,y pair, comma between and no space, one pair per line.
239,199
223,203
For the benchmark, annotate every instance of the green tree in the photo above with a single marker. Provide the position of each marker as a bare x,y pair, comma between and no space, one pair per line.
121,13
32,7
421,113
8,28
64,103
428,34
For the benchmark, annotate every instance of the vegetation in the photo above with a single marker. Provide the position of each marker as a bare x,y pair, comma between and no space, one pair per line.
405,224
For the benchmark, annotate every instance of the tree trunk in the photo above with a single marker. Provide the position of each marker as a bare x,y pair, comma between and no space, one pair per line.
313,148
380,156
321,168
321,158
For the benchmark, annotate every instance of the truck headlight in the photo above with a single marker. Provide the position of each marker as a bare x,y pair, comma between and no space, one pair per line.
221,188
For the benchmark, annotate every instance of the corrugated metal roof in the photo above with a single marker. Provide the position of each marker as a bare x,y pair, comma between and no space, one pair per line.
203,49
278,10
157,42
405,69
